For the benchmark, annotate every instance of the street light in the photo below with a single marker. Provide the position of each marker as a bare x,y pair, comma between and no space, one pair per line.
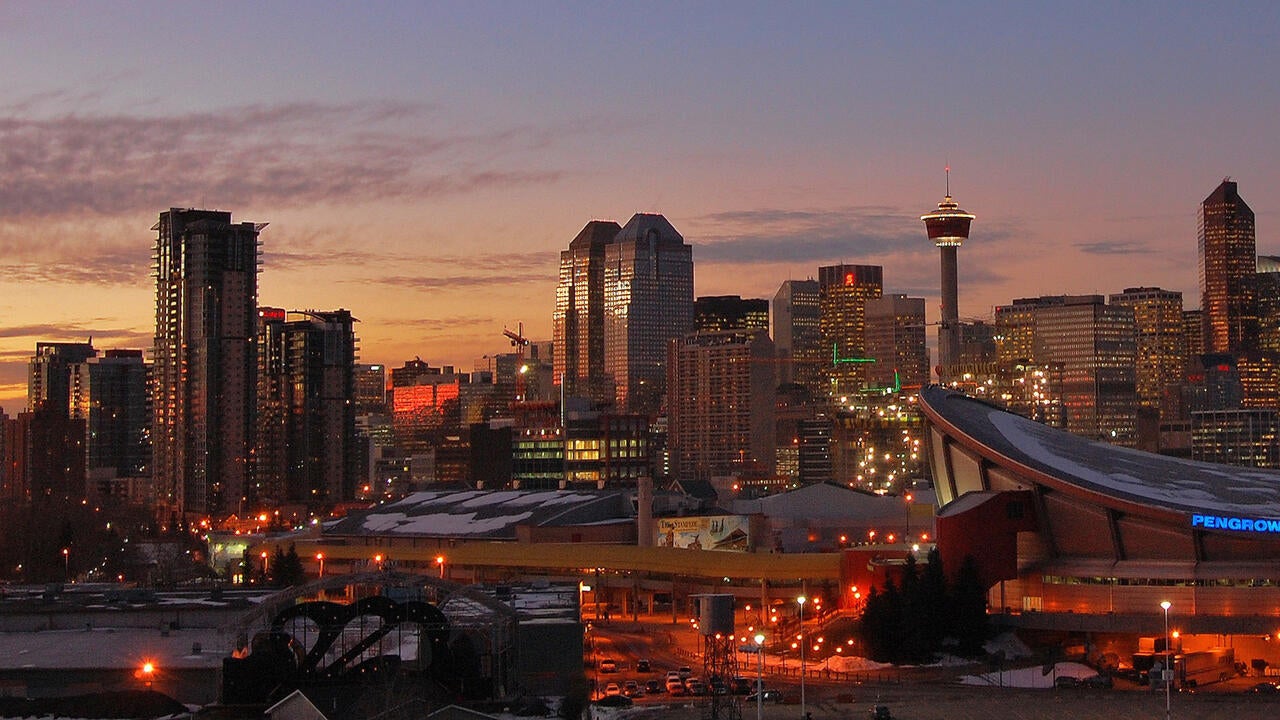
1168,658
759,638
320,559
148,672
440,562
803,715
66,564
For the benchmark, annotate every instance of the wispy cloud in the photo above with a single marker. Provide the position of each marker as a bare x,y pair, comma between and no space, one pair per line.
455,282
282,155
1112,247
814,236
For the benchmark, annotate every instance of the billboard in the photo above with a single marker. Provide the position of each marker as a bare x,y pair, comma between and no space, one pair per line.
715,532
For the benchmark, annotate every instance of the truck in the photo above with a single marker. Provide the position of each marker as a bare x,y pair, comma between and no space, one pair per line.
1205,666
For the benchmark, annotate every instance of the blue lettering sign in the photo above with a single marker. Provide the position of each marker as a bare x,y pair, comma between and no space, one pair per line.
1239,524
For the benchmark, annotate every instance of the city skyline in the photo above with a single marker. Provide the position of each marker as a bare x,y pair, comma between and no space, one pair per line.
424,168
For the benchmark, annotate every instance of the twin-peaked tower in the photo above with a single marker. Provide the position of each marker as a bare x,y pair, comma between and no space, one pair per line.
624,294
948,228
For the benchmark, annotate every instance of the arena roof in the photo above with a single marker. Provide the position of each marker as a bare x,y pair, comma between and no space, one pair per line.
1184,486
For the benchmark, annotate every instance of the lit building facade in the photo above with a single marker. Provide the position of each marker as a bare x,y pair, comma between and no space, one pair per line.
648,281
204,371
1246,438
895,340
714,313
722,404
370,389
797,335
843,294
1160,367
1228,262
578,320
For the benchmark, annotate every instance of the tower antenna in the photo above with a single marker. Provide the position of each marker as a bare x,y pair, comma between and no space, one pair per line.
947,170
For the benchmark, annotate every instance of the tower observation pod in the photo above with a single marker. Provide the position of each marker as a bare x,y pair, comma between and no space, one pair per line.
948,228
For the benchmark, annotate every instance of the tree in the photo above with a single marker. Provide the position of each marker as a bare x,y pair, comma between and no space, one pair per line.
969,609
286,568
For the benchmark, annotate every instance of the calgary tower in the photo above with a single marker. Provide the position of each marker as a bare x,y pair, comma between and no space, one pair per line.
948,227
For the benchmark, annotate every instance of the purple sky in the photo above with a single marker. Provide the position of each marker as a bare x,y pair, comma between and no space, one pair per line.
423,164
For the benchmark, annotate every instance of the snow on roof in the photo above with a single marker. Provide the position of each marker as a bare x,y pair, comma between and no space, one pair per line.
1147,478
480,513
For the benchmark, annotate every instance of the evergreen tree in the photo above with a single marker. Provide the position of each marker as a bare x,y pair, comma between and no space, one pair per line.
935,605
286,568
969,609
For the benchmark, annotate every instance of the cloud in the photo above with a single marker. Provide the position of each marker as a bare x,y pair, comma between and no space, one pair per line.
457,282
815,236
1112,247
103,337
279,155
112,266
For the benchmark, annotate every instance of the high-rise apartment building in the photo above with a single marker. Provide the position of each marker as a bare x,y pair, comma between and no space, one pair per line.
1228,262
306,451
797,335
714,313
648,302
115,404
721,408
578,321
204,373
895,340
47,444
843,294
1157,316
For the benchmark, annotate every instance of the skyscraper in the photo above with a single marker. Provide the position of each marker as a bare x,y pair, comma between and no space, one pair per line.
722,405
578,321
204,379
948,228
648,301
1158,317
843,294
306,443
713,313
114,403
1228,261
797,336
896,341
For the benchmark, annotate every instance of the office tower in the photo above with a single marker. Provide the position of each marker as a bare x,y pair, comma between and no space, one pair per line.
370,389
115,403
895,340
648,280
843,292
306,447
948,228
204,373
578,321
1192,339
1228,261
713,313
1246,438
425,402
797,335
721,408
1016,326
55,374
1096,344
814,451
1158,318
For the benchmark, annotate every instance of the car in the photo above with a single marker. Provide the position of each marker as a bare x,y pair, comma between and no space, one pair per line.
675,686
719,687
652,687
674,674
632,689
773,696
612,689
608,665
741,686
685,672
695,686
1266,688
1098,681
642,666
618,701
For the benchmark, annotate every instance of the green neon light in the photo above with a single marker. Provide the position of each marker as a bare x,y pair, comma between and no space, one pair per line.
836,359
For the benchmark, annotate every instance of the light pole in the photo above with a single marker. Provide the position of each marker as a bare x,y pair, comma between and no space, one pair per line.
803,641
1168,659
66,564
320,559
759,638
440,562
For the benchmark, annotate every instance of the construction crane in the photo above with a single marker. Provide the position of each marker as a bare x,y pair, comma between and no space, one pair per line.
519,342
